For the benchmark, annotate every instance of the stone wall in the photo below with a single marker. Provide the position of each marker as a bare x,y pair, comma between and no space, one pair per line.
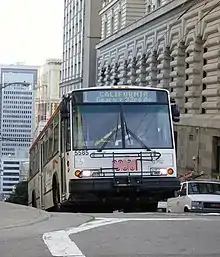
175,47
197,149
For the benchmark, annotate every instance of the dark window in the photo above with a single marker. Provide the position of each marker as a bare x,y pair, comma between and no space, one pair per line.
11,168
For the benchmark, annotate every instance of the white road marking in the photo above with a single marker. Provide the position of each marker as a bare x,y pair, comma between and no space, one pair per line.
210,214
94,224
59,243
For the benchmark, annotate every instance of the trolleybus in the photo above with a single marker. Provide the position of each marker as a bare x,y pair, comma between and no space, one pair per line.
106,146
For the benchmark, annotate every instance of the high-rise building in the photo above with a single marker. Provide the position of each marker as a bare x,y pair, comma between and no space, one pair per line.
47,93
81,33
17,120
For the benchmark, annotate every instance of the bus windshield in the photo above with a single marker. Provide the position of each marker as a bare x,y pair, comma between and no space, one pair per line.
122,126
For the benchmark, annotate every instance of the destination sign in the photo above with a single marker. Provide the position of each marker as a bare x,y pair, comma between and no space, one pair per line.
132,96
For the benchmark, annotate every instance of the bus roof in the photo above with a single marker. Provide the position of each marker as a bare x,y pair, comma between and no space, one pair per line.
45,127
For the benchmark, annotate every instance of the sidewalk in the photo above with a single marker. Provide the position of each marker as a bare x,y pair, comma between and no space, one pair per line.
14,215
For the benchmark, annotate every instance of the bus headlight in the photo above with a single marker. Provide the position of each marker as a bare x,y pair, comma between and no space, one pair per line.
161,171
158,171
83,173
87,173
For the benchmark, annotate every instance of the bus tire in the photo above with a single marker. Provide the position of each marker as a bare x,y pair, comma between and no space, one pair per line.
34,201
56,195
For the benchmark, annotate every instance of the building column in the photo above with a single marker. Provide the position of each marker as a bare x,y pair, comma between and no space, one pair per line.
177,74
151,70
141,70
125,72
108,75
163,69
194,64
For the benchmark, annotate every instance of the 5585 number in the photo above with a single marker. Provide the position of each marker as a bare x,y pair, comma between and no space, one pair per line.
81,152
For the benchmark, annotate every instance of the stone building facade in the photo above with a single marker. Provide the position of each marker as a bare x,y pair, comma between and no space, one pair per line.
174,46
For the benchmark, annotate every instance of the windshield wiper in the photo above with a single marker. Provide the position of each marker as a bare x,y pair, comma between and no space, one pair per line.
114,132
128,131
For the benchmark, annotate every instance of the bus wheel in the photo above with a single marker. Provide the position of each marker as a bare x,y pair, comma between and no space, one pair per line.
56,196
34,202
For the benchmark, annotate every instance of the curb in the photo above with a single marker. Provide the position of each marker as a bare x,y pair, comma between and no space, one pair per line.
39,219
90,218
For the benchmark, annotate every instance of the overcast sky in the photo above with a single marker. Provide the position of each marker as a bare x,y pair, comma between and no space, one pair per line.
30,30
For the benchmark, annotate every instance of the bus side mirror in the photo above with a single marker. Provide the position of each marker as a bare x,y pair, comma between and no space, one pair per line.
64,109
175,111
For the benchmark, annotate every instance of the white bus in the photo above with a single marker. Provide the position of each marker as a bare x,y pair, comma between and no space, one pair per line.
106,146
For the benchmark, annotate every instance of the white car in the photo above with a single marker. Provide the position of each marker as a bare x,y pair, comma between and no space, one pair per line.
196,196
162,206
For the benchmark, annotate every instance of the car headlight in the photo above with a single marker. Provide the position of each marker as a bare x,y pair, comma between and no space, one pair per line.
197,205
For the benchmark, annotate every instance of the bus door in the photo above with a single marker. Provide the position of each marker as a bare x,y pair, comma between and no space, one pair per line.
63,139
41,177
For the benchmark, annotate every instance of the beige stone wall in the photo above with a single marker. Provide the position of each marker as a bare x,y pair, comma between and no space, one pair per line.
175,47
197,149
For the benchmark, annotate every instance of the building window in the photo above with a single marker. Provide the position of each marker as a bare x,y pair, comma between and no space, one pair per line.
105,29
112,24
119,20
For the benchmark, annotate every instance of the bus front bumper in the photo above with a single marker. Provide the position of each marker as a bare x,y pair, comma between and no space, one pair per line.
125,186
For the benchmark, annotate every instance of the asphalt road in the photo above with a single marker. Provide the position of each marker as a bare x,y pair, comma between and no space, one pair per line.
115,235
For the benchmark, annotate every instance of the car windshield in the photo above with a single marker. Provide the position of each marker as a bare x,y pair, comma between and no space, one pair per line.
136,125
204,188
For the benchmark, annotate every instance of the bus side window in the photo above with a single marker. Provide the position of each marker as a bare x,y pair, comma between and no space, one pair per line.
68,136
42,154
62,140
65,135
